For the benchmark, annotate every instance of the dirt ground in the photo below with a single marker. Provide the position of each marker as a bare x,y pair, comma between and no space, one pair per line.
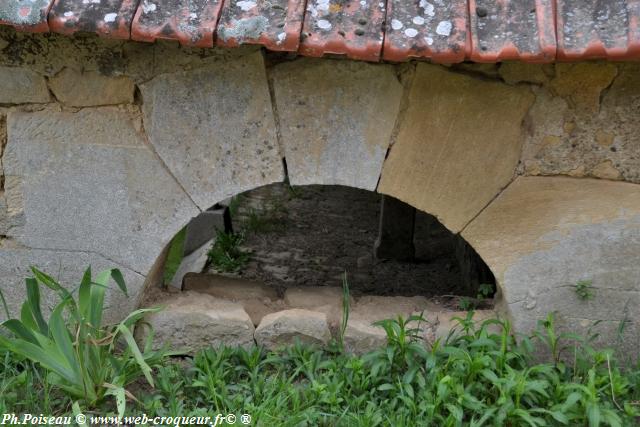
313,235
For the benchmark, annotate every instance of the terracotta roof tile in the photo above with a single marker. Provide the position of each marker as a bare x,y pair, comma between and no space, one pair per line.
598,29
431,29
110,18
191,22
512,30
276,24
26,15
345,27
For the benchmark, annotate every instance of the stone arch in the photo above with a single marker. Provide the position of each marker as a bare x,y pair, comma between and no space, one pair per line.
110,185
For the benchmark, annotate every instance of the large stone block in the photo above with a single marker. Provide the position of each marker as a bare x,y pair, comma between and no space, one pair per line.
458,144
336,120
91,88
21,86
67,267
86,182
290,326
544,234
214,128
195,321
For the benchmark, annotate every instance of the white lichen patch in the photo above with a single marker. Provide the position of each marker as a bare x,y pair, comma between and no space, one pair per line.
396,25
411,32
246,5
429,40
281,37
324,24
429,9
444,28
147,6
110,17
68,14
418,20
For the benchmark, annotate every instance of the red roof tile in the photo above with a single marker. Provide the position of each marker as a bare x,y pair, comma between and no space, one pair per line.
275,24
598,29
344,27
25,15
512,30
110,18
191,22
431,29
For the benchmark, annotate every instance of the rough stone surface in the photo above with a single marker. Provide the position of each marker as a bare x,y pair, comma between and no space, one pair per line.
214,128
82,182
87,89
544,234
522,72
21,86
565,139
234,289
194,321
288,326
312,297
67,267
336,119
458,144
582,83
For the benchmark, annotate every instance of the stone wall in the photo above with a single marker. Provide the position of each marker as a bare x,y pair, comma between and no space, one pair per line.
111,147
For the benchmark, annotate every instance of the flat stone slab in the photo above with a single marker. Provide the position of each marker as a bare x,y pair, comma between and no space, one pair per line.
84,186
590,29
275,24
512,30
352,27
26,15
312,297
234,289
109,18
544,234
191,22
468,161
194,321
427,29
192,263
336,119
288,326
214,128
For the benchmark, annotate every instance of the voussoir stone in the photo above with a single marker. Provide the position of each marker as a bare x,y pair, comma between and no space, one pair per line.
21,86
195,321
458,144
214,128
288,326
544,234
82,182
336,119
85,89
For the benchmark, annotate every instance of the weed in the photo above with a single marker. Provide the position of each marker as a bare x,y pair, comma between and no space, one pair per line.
74,348
584,289
225,253
175,255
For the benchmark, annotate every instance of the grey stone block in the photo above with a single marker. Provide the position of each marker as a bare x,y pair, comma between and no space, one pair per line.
203,227
214,128
89,184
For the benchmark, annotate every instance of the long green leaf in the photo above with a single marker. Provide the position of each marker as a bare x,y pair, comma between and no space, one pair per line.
26,317
144,367
38,355
20,330
62,339
84,294
33,298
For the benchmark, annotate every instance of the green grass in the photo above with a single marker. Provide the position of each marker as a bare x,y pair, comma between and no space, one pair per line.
225,254
480,375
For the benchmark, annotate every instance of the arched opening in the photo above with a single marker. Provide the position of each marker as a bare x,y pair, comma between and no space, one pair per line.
280,247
